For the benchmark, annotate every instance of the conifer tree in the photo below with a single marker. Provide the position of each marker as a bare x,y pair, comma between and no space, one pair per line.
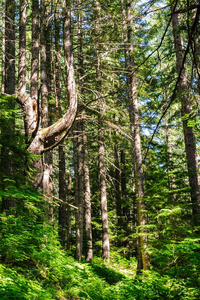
189,136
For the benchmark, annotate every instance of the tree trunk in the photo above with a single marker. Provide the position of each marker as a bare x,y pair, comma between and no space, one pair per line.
47,180
189,137
118,186
86,175
3,74
101,150
35,57
123,182
47,138
103,194
88,217
29,106
8,86
62,216
10,47
143,258
69,225
79,187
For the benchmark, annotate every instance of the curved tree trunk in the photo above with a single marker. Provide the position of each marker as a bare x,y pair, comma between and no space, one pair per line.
47,138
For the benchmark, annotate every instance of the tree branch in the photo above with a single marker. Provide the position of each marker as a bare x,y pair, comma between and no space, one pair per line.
195,22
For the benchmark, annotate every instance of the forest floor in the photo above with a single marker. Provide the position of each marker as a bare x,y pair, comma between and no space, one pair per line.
56,275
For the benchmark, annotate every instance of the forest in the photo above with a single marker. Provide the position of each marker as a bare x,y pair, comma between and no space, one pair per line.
99,150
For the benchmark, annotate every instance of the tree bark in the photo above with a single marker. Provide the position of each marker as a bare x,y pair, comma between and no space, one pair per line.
189,136
35,58
10,47
86,175
49,137
8,87
88,217
29,106
79,187
101,150
103,193
143,258
69,225
118,185
62,215
3,74
123,182
47,179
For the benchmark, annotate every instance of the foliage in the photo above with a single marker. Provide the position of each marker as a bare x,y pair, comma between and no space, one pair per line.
33,264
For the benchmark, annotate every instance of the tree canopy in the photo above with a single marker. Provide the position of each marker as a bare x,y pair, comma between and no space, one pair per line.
99,149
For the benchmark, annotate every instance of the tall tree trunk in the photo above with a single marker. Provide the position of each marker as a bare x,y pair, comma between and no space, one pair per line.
68,218
47,180
79,187
8,86
3,74
103,193
79,160
62,216
29,106
35,57
10,47
143,258
189,137
88,217
101,150
22,54
83,128
117,178
123,182
118,185
102,164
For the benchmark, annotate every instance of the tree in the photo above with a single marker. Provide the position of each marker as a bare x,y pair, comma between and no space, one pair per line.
189,137
8,87
79,186
102,165
47,162
45,139
143,258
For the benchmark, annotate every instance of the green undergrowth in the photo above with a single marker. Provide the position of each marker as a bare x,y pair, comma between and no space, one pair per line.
51,274
34,266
